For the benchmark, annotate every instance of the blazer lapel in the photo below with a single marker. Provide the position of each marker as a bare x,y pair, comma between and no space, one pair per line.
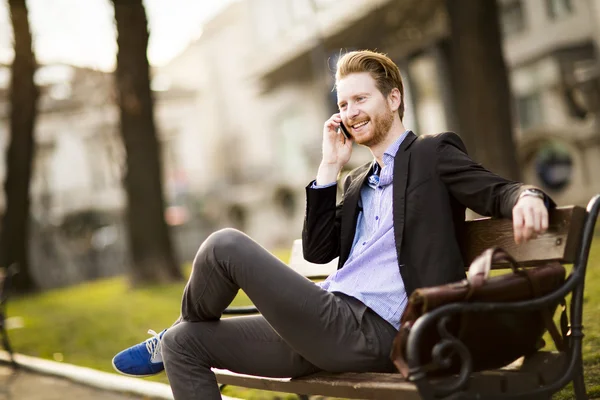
350,213
401,169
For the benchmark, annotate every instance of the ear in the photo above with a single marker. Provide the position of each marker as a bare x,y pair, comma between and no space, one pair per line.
394,99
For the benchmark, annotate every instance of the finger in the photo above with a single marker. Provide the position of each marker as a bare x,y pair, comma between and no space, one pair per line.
545,218
332,125
528,225
537,220
335,118
517,224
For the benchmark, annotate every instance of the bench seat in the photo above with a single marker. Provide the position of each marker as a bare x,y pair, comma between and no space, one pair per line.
520,376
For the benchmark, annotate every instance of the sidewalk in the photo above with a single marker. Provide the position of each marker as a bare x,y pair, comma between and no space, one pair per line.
23,384
39,379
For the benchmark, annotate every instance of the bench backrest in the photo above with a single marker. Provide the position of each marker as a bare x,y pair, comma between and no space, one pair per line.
559,243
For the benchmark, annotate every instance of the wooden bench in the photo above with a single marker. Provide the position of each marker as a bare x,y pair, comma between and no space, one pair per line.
5,280
568,240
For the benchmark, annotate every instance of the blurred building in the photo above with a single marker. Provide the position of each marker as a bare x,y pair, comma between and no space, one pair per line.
225,144
551,47
76,184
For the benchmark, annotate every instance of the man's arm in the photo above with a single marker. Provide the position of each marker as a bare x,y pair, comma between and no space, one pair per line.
322,222
487,193
322,225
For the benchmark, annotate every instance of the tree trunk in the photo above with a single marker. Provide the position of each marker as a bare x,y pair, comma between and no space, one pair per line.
480,85
150,245
14,236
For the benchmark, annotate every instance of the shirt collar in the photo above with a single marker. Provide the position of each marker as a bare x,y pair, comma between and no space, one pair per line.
373,179
389,153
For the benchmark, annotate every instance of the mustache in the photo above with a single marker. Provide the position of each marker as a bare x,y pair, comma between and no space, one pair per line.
358,121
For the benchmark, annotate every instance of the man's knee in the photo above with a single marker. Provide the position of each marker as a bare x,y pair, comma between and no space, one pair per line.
185,341
222,242
171,344
226,237
175,342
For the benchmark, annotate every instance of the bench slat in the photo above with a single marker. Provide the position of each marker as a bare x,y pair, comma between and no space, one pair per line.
525,375
559,243
348,385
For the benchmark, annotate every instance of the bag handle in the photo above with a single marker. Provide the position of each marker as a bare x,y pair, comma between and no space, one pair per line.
479,269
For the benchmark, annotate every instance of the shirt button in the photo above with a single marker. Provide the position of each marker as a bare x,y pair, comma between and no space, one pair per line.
376,218
364,243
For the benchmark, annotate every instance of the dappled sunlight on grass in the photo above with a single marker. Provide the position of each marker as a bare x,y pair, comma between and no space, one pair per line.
89,323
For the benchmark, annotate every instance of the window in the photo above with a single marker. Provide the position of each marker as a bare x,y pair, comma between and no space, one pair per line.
512,18
529,108
559,8
98,163
554,166
42,173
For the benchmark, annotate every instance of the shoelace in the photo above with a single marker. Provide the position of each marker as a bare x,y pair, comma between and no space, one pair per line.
153,346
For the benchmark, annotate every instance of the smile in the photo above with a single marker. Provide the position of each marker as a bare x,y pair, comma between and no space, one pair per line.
360,124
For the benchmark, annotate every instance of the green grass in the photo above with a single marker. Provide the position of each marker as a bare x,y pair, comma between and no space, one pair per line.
591,324
87,324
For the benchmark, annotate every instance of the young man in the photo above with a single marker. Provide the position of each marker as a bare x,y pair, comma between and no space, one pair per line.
394,231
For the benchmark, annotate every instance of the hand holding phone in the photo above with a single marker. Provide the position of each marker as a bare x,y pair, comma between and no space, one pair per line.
335,153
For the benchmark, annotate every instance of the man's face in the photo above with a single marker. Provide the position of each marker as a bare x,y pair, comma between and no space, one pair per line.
364,110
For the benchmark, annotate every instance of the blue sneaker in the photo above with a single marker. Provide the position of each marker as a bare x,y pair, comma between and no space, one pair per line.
144,359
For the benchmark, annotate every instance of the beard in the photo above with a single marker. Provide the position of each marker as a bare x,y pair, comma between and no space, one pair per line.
382,124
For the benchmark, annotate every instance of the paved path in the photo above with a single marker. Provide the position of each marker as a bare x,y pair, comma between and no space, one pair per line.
27,385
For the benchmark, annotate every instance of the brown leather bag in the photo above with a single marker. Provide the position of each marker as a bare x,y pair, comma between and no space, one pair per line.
493,339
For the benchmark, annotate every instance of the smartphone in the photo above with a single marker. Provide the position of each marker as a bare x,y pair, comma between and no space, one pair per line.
345,131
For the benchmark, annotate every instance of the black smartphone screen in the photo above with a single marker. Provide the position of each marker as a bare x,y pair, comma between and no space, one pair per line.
345,131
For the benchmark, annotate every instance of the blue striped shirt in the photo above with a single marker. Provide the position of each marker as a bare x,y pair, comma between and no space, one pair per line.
370,274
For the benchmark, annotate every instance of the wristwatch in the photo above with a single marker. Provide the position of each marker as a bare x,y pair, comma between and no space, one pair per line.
533,192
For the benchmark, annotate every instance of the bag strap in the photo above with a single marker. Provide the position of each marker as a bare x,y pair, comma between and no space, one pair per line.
559,341
479,269
564,319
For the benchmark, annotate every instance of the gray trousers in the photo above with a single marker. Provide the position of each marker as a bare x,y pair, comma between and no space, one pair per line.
302,328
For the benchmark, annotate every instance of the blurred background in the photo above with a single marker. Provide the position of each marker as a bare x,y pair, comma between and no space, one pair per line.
239,91
132,129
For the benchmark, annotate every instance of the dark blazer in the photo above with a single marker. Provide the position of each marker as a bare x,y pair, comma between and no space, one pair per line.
434,181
